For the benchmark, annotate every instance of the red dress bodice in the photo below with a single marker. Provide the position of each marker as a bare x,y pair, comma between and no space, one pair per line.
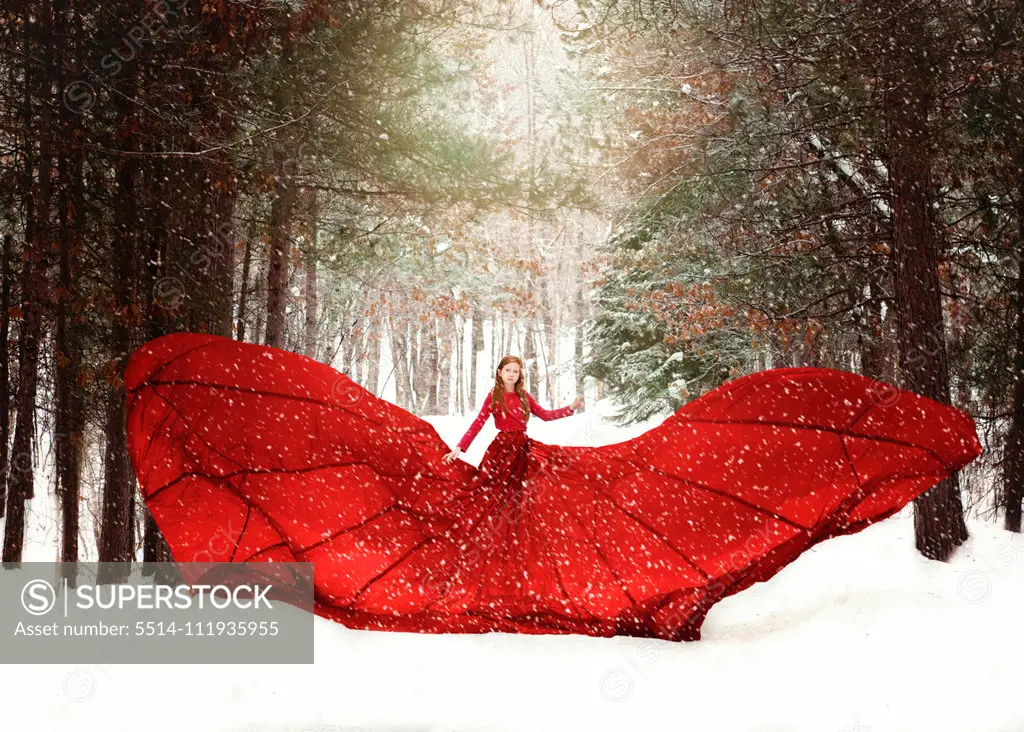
511,420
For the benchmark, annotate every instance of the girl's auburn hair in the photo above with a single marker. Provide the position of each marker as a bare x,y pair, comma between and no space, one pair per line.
498,392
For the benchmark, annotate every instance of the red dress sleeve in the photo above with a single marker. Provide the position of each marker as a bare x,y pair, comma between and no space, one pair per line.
478,423
547,414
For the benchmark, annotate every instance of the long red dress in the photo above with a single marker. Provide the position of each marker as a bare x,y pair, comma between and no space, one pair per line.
249,453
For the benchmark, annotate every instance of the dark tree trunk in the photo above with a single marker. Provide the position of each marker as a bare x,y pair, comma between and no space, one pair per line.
1013,478
221,240
116,540
154,545
5,376
871,341
156,323
68,432
156,313
281,212
309,281
68,438
259,292
243,290
309,265
938,513
34,290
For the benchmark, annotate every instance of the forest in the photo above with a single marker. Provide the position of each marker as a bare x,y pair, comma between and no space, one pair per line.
645,197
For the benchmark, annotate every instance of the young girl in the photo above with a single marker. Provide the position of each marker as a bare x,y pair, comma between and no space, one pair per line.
511,406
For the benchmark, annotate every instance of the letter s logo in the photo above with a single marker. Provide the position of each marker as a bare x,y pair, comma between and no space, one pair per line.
38,597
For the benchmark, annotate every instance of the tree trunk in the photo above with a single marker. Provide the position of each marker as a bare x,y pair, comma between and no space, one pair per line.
154,545
259,292
373,359
1013,478
444,366
5,376
938,514
282,207
476,346
356,342
309,252
34,290
530,356
243,291
871,336
415,366
497,344
580,314
428,378
459,395
340,359
510,330
68,435
116,540
222,235
400,355
281,210
155,324
551,324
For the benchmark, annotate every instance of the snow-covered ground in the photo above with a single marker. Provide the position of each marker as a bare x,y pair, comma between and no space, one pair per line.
860,633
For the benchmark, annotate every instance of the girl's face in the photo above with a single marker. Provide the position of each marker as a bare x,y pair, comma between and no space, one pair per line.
509,374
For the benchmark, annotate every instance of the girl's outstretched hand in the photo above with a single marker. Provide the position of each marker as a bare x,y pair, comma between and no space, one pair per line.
451,455
577,403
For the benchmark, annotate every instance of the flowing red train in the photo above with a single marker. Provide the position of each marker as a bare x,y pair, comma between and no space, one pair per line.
249,453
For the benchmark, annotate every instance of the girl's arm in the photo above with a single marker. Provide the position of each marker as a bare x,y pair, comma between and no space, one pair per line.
478,423
547,414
